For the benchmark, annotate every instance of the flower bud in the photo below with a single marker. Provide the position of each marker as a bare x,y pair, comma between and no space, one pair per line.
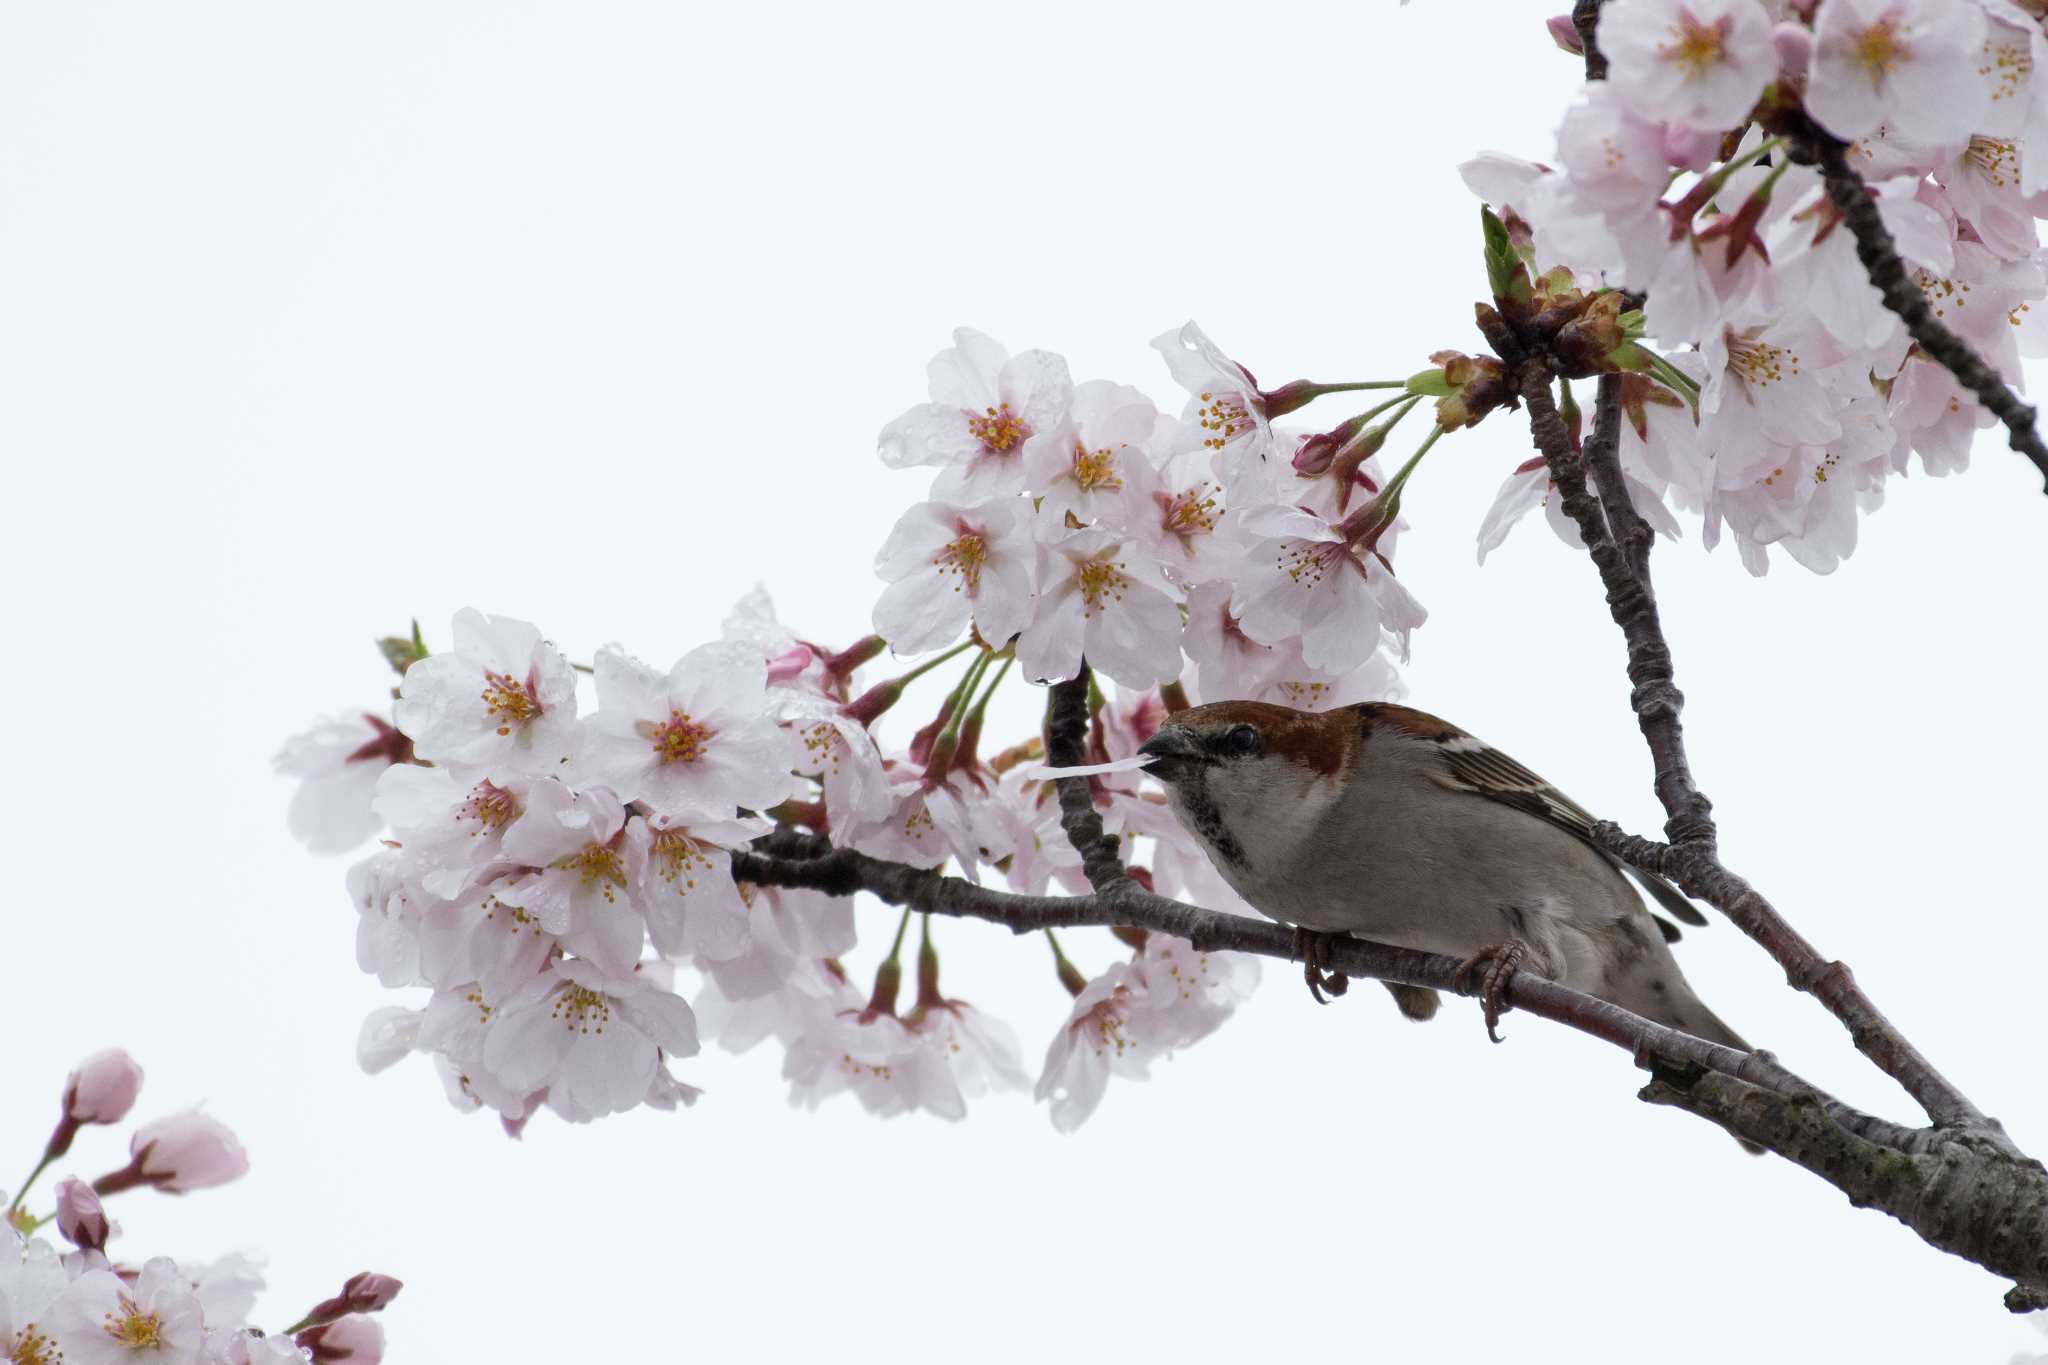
80,1216
1794,43
1690,149
103,1088
1565,34
783,667
355,1339
1470,387
188,1151
364,1293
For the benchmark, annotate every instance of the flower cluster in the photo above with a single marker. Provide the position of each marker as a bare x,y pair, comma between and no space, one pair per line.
1081,521
548,867
1783,394
86,1307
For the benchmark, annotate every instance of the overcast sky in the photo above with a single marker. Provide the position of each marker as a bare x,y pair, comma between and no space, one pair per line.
314,317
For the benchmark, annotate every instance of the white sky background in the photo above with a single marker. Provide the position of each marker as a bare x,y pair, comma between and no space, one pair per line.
316,316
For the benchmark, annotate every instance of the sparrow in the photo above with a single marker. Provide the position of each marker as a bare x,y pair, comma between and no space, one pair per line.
1386,823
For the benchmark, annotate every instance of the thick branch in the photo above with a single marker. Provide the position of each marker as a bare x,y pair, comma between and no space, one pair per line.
1874,247
1966,1193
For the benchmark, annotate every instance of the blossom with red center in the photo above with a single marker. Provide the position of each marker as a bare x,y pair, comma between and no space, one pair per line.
593,1040
338,763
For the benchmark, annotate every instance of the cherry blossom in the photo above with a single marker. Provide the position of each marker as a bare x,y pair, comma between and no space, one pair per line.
503,699
1908,64
105,1320
1102,598
186,1151
584,877
1095,468
1224,401
338,763
695,743
593,1040
987,408
1697,62
947,564
1303,580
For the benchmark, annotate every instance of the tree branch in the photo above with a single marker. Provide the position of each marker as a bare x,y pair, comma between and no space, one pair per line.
1964,1193
1874,247
1691,858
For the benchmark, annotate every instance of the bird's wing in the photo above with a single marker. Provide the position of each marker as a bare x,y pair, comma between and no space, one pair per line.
1472,765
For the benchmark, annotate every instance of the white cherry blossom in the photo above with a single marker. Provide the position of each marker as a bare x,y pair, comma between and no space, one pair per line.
1696,62
987,407
503,699
697,742
583,879
1908,64
594,1040
338,763
1302,579
1104,598
947,564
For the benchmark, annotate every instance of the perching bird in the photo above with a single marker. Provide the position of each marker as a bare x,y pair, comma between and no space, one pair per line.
1386,823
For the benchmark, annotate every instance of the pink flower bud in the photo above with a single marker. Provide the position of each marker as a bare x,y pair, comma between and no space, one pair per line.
1795,49
103,1088
1565,34
188,1151
1692,149
80,1217
786,666
355,1339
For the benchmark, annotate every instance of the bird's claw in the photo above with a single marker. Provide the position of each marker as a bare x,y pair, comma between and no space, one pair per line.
1313,949
1500,960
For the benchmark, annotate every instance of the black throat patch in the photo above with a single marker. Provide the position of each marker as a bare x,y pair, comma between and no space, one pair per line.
1208,821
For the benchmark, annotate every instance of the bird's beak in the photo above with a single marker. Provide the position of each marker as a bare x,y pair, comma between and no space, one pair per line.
1172,750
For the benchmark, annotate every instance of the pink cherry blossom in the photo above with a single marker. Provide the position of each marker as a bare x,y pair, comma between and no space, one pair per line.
338,763
503,699
697,742
583,882
1224,401
451,831
1102,598
1302,579
594,1040
946,564
987,407
694,908
102,1319
1697,62
1908,64
1095,469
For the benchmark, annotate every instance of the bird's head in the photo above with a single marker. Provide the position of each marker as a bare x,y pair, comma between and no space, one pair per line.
1237,769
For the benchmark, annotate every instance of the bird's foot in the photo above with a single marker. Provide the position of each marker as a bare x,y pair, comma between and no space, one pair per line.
1493,967
1314,950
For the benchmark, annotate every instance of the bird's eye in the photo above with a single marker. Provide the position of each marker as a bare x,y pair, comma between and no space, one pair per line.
1240,739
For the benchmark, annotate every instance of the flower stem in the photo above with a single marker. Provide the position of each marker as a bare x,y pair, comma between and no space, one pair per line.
22,1193
1674,378
929,664
889,976
1070,975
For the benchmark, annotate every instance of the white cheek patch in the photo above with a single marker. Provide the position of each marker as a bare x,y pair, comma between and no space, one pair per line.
1122,765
